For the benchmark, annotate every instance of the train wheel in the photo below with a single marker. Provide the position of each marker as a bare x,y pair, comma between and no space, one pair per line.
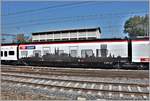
141,67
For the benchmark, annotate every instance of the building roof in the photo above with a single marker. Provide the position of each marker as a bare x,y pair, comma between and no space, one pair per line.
67,30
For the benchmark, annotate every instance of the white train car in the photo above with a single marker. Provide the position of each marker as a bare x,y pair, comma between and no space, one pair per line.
103,53
9,52
80,49
141,51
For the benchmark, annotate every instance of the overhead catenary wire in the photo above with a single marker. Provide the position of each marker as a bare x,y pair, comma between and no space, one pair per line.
67,19
56,18
52,22
48,7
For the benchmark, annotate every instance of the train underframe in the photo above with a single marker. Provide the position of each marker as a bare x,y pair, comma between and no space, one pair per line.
109,63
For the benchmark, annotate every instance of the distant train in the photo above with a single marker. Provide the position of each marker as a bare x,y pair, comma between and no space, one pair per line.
101,53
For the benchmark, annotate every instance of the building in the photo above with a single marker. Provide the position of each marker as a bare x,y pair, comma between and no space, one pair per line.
69,34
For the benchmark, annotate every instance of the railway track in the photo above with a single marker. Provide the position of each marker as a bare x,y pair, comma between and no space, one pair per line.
76,72
41,77
99,90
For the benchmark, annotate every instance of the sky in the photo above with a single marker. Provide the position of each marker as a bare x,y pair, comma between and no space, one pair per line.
36,16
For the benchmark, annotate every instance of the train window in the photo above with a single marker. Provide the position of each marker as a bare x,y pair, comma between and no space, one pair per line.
104,46
86,53
45,52
98,52
104,51
1,53
11,53
37,53
5,53
73,53
24,53
60,52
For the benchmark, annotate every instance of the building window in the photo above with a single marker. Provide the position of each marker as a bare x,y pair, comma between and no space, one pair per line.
86,53
35,40
49,39
5,53
83,38
42,40
90,38
1,53
11,52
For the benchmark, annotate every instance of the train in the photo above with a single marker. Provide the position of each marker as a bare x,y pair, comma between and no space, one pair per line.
98,53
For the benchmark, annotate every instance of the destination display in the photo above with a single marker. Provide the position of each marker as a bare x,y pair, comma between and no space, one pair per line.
27,47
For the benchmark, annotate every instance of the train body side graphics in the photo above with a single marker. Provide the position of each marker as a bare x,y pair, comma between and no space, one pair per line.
75,50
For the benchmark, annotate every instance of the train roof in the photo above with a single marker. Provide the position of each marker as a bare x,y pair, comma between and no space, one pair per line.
3,44
68,41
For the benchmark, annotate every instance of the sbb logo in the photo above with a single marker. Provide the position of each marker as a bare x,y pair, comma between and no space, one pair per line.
27,47
145,59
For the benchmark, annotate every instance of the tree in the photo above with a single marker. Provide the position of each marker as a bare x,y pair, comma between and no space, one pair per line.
22,39
137,26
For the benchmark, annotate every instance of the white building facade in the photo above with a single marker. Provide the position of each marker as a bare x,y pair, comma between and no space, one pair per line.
70,34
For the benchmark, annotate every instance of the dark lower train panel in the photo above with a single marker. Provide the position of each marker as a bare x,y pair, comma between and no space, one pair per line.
98,65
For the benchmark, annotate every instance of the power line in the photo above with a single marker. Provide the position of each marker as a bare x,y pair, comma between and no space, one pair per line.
49,7
56,21
69,19
56,18
8,34
78,5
